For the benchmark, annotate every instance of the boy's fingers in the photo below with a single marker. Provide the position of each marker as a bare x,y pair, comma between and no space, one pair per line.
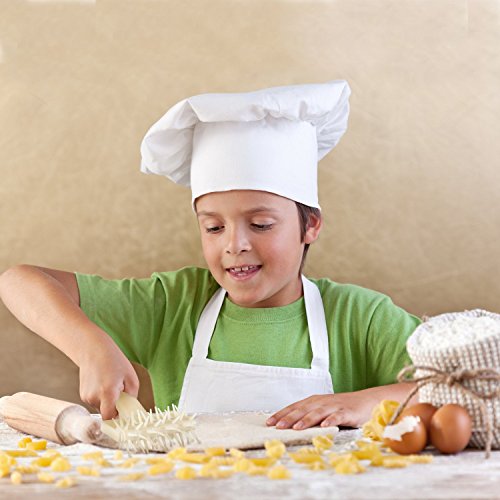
276,417
131,387
337,418
311,418
108,402
302,406
290,418
108,409
90,401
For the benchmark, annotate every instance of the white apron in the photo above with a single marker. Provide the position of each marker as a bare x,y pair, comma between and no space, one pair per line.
219,386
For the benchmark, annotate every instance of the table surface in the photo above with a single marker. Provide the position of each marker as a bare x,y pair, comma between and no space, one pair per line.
467,475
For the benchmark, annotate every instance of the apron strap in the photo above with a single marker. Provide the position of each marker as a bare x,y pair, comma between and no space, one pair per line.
206,324
316,322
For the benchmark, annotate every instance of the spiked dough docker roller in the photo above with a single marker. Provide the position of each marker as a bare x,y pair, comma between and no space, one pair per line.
68,423
138,430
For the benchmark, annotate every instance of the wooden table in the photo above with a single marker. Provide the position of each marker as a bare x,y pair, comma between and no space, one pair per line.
465,476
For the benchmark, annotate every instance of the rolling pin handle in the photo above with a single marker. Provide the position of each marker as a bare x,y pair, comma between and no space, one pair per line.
75,424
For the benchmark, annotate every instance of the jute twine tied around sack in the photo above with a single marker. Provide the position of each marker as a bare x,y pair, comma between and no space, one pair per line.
456,379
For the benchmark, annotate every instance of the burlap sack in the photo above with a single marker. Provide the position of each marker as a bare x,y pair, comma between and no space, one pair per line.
478,354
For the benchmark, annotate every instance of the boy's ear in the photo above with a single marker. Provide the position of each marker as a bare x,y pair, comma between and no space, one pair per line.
314,226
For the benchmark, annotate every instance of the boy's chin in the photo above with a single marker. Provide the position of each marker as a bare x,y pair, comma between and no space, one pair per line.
243,300
246,298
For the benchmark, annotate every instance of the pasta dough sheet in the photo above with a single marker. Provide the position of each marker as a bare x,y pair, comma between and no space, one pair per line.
247,431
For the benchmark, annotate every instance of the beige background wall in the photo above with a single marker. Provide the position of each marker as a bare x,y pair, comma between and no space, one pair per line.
410,195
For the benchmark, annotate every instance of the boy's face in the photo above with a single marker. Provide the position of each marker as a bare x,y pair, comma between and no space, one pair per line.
251,243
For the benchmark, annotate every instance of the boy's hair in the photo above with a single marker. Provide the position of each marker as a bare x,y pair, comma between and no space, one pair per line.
305,213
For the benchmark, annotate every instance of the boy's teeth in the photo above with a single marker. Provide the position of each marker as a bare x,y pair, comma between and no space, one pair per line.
244,268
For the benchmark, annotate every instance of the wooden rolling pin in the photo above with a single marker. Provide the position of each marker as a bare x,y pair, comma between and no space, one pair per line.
48,418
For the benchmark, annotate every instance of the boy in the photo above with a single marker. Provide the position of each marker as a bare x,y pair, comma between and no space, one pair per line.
250,333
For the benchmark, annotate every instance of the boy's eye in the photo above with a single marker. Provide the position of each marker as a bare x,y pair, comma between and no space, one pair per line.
258,227
262,227
213,229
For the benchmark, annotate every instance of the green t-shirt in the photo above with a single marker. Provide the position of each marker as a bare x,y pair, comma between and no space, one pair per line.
153,321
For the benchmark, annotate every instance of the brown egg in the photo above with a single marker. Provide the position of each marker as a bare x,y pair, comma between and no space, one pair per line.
423,410
411,442
451,428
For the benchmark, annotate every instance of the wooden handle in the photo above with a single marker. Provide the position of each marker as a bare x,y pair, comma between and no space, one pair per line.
53,419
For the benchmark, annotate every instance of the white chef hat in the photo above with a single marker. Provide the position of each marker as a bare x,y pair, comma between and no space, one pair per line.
267,140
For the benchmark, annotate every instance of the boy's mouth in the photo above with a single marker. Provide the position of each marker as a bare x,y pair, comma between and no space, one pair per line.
243,272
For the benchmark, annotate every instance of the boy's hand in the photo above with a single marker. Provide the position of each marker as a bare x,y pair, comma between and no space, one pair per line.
350,409
103,375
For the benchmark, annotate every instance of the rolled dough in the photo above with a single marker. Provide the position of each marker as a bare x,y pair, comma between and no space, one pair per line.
247,431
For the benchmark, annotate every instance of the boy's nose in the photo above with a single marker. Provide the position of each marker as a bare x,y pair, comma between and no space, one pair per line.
237,242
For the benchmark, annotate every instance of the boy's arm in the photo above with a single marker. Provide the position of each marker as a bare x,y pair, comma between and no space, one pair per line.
47,301
351,409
